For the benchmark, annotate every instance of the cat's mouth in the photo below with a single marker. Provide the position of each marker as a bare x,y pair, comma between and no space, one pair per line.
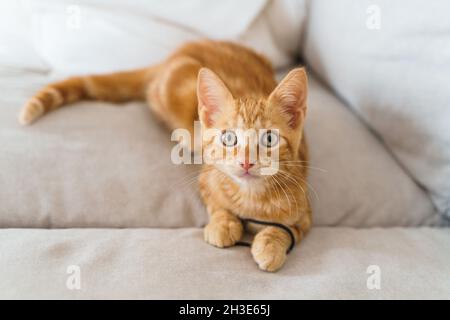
241,175
248,175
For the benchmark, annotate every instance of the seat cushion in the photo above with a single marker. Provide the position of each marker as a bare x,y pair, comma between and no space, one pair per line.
91,165
390,61
331,263
99,165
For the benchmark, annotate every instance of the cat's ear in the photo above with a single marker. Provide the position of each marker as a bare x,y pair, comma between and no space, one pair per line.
290,96
213,97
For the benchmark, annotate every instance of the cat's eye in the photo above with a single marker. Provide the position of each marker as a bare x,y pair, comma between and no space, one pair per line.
269,139
228,138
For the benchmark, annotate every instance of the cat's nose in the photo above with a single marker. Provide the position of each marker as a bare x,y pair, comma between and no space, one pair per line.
246,165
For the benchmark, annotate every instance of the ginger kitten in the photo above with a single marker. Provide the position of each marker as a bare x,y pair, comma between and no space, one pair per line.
230,88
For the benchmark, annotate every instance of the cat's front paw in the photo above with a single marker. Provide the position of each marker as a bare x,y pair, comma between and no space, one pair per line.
269,254
224,233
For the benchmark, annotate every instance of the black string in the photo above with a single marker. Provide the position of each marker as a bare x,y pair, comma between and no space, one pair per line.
273,224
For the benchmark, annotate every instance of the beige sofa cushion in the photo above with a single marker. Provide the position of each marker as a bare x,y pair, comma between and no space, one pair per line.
390,61
332,263
100,165
361,185
91,165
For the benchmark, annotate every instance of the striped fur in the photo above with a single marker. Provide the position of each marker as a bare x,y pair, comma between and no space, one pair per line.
226,86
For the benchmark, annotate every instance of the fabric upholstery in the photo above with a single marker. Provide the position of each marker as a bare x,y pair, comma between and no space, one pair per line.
99,165
96,37
332,263
390,61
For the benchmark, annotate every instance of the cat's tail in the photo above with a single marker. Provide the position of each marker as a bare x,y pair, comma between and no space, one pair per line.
116,87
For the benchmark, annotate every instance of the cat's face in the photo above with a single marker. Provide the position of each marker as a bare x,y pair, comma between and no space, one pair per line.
251,139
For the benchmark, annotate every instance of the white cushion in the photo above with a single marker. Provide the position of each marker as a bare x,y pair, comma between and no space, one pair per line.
95,37
16,40
390,60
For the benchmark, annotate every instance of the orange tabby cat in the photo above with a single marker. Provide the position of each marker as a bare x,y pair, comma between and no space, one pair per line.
228,87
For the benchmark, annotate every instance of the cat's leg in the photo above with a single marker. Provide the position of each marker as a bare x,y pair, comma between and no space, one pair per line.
224,229
270,245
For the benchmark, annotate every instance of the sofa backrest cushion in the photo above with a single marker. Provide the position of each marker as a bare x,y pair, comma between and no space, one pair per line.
390,61
85,36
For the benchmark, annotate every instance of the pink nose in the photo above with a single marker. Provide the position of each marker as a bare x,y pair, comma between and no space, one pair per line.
246,165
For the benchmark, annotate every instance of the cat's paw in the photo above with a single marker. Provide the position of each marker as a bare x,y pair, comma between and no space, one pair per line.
270,255
224,233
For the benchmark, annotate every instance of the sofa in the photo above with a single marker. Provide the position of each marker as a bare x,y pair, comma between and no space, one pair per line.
93,208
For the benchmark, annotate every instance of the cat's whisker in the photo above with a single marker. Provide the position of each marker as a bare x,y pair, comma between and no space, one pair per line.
305,194
275,188
188,183
309,185
189,178
282,189
289,191
293,195
182,180
302,166
278,194
294,161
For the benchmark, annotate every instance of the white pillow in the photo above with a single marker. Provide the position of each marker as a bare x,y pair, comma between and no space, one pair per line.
390,61
103,36
16,43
